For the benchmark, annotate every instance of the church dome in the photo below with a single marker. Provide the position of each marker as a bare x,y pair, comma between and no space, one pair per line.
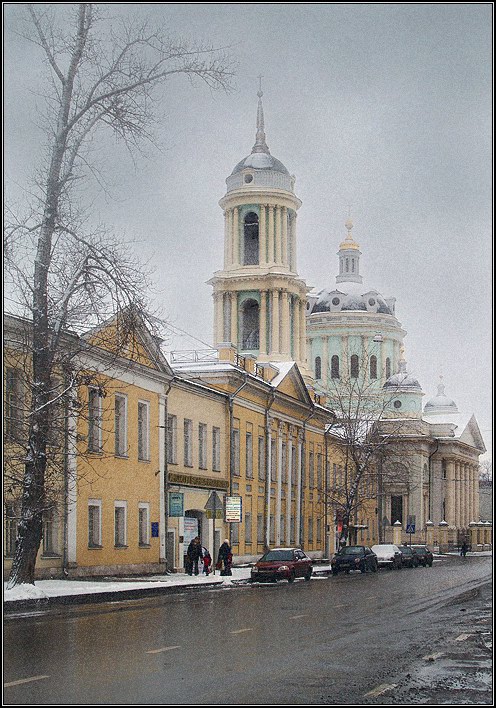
260,161
440,403
402,380
349,297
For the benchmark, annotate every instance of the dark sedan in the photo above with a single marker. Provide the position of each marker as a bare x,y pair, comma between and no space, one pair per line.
408,557
354,558
424,555
282,564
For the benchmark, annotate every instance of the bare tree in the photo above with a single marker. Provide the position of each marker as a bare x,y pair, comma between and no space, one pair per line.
366,429
72,275
486,471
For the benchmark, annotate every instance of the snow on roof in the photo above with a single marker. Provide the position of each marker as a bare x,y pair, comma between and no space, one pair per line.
460,420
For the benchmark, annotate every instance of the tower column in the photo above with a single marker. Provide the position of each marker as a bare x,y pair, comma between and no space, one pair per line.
285,326
263,322
292,236
262,233
275,322
229,238
284,235
218,318
234,319
295,354
303,338
235,236
272,236
278,254
226,240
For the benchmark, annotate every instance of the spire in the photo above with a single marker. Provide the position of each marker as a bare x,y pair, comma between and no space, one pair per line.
260,144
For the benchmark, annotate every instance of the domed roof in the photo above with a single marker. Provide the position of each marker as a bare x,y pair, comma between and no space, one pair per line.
260,161
440,403
350,297
402,380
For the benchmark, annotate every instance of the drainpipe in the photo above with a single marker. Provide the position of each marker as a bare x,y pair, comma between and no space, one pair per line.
166,479
303,453
270,402
231,398
431,480
326,491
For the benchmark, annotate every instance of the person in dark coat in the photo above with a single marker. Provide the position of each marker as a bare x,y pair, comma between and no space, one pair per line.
194,553
225,558
464,549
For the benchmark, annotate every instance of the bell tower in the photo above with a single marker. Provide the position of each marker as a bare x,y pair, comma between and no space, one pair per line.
259,300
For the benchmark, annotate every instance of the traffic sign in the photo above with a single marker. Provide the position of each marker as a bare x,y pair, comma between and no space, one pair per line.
214,502
410,528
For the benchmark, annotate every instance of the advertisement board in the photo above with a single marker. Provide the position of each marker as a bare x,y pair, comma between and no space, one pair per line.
233,510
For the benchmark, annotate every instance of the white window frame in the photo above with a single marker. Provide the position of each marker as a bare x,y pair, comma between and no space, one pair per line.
120,505
144,506
121,448
95,503
145,432
202,446
188,442
94,420
215,449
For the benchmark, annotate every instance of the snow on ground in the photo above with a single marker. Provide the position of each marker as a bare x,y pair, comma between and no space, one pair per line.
58,588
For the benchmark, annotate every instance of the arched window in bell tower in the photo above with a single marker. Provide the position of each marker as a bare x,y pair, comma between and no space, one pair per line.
318,368
354,367
250,324
250,239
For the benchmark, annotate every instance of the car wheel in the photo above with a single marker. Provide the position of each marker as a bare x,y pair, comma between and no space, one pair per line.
363,568
375,568
291,578
308,574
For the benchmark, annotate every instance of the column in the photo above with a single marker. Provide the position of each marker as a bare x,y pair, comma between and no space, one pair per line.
285,331
271,236
303,339
476,493
298,489
262,237
263,322
278,254
229,227
470,495
289,490
296,329
268,473
234,318
275,322
450,492
226,241
292,236
463,494
284,235
325,360
218,318
457,494
279,485
235,236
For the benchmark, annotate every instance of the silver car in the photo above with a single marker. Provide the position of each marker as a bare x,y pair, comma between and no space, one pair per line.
388,555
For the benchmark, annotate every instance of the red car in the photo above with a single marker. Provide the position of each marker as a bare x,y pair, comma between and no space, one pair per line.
282,564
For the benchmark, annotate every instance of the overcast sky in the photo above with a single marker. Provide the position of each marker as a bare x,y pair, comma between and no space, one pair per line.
386,107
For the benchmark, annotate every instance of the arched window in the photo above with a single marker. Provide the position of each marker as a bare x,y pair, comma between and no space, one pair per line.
335,367
352,265
250,239
354,366
318,368
347,265
388,368
373,367
250,324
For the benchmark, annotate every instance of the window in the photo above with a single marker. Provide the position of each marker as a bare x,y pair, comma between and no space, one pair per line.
261,457
143,524
292,530
94,523
354,366
94,420
49,533
319,530
202,446
250,231
236,456
250,324
247,528
335,367
120,426
310,530
249,455
319,470
260,528
143,430
293,465
11,522
388,368
273,460
284,462
188,443
13,404
272,534
318,368
172,439
216,449
234,534
373,367
396,509
120,509
311,470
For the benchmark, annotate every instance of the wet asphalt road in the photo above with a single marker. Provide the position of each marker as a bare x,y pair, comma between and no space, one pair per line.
332,640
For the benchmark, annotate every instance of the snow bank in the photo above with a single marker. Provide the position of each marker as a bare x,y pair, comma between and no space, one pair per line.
25,591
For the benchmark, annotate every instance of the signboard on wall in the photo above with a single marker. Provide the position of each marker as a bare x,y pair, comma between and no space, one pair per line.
233,510
190,529
176,504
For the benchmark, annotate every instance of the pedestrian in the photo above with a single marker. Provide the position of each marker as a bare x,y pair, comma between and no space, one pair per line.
464,549
194,553
207,560
225,558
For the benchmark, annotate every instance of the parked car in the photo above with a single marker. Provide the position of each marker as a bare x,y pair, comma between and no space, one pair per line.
282,564
424,555
354,558
408,557
388,555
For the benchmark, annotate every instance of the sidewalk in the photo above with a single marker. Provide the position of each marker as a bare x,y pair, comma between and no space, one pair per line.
52,592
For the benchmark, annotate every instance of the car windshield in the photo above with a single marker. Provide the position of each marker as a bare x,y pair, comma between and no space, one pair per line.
351,551
406,551
277,556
